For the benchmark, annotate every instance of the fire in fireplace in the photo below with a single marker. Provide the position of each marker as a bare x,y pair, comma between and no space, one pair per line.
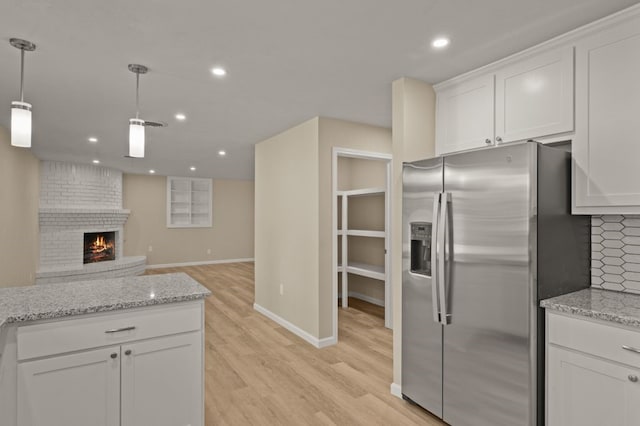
99,246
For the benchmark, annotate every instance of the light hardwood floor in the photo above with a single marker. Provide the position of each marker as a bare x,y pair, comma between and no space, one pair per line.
258,373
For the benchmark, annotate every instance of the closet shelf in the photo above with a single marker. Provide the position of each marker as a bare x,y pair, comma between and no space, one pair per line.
361,192
363,269
365,233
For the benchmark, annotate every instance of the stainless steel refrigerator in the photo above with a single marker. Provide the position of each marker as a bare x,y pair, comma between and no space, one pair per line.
487,234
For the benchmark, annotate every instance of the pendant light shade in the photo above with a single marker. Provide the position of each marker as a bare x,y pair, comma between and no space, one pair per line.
136,138
136,125
21,110
21,124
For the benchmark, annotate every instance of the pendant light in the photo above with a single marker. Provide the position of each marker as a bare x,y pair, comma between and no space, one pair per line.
136,125
21,110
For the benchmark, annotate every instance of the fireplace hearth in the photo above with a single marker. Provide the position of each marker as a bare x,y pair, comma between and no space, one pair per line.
99,247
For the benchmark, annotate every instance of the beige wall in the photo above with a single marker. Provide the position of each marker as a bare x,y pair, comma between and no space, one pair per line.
293,218
286,223
413,123
19,236
341,134
231,236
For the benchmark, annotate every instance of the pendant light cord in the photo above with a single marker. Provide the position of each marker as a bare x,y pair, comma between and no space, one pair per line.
21,75
137,94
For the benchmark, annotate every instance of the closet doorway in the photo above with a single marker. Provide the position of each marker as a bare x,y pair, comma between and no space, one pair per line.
361,195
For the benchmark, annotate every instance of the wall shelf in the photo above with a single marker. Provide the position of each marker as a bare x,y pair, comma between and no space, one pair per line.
189,202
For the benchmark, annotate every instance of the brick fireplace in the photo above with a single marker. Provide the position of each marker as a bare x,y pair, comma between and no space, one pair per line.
75,200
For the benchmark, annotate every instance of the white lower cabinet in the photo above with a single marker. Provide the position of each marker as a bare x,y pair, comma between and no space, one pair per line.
68,390
147,377
589,391
591,379
160,385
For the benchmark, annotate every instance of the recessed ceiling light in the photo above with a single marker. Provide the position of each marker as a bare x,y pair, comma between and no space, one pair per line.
152,171
219,71
192,168
181,117
440,42
222,153
96,161
93,140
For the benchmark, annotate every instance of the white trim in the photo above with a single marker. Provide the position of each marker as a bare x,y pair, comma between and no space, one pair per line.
396,390
204,262
360,296
318,343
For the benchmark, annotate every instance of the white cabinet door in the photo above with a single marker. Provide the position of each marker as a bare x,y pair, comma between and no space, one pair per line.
162,382
588,391
534,97
606,149
465,116
71,390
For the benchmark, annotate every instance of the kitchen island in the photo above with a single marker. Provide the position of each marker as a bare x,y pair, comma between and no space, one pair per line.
108,352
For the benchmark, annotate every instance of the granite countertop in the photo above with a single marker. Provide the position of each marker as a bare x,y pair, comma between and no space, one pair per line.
605,305
49,301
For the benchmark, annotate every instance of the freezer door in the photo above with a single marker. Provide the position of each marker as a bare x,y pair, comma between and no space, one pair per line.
488,360
421,333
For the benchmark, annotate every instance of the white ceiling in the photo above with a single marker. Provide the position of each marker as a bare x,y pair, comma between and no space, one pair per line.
287,61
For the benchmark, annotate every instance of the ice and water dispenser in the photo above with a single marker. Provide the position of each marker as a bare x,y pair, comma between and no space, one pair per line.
421,248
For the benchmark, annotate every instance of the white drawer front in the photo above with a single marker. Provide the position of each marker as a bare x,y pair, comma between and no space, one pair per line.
91,331
595,338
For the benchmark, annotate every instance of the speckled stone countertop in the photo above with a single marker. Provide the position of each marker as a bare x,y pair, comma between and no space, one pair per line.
48,301
605,305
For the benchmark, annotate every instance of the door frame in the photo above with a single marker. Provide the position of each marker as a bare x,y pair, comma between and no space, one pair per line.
388,293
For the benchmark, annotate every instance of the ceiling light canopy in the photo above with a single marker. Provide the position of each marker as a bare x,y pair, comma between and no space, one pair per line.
21,110
222,153
440,42
192,168
93,140
96,161
136,125
152,171
181,117
219,71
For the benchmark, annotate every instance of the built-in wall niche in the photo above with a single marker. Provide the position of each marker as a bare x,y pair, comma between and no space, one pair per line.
189,202
99,247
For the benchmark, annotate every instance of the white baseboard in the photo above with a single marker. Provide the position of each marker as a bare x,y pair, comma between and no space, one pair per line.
205,262
318,343
396,390
364,297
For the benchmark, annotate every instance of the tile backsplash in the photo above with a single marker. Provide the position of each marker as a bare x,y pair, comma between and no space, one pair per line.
615,252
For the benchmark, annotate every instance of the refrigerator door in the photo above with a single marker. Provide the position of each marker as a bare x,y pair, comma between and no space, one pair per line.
421,332
489,343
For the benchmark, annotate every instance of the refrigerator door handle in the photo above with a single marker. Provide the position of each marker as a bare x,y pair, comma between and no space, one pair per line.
443,241
434,257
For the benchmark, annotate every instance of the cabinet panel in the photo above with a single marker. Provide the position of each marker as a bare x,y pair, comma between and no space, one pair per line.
588,391
534,97
71,390
162,381
607,145
465,116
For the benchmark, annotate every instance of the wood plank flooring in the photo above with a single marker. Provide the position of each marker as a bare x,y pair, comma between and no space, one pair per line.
258,373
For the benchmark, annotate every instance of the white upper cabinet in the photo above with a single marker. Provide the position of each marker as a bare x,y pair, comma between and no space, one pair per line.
525,99
534,97
606,149
465,116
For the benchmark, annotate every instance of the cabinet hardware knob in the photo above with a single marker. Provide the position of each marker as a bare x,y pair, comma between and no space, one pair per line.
114,355
127,352
487,141
633,378
498,139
